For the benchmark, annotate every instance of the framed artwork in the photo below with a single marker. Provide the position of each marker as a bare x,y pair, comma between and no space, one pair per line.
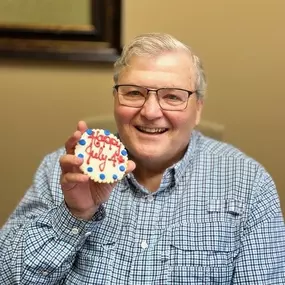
73,30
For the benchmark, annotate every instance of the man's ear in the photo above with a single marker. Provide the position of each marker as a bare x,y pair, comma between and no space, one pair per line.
199,108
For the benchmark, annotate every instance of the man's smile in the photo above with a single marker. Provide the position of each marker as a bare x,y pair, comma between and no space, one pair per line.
151,131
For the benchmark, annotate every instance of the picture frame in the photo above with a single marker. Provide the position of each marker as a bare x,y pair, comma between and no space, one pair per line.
98,42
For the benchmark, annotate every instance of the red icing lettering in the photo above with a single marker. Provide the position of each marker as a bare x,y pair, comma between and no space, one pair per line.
115,156
120,159
95,150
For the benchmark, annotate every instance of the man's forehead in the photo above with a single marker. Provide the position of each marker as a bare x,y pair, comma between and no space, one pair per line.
172,69
165,59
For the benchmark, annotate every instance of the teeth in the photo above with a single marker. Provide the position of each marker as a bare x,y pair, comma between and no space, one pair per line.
152,130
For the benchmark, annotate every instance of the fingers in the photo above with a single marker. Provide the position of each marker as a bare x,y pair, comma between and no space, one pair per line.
70,163
70,178
72,141
81,126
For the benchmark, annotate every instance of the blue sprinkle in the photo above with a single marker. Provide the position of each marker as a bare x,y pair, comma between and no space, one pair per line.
90,169
122,168
82,142
106,132
115,177
102,176
124,152
89,131
80,155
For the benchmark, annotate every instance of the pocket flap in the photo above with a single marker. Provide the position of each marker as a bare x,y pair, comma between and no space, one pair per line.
212,236
231,206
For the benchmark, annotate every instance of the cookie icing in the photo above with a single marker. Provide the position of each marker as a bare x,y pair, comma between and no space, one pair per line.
105,157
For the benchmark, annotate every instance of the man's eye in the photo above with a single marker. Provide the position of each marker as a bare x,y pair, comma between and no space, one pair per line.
134,93
172,97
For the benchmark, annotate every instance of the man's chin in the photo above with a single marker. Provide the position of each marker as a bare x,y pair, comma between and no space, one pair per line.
148,153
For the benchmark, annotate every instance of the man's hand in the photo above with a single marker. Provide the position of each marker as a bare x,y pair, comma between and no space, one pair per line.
82,195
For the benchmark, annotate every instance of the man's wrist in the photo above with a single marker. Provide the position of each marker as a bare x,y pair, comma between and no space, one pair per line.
86,215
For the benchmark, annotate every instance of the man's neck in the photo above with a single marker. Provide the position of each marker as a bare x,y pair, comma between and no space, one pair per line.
148,178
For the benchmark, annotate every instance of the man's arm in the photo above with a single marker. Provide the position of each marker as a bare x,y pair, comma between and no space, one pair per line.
39,242
262,256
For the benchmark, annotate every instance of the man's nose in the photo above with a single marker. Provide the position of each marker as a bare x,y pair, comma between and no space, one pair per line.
151,109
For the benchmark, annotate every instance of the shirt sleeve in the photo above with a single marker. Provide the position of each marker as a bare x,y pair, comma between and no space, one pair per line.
39,242
262,256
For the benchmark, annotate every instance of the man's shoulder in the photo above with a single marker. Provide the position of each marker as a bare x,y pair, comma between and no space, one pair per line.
54,155
50,161
227,166
209,148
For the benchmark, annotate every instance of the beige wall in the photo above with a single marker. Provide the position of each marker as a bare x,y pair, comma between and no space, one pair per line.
242,45
45,12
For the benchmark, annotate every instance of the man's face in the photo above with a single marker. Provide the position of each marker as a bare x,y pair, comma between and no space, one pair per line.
136,125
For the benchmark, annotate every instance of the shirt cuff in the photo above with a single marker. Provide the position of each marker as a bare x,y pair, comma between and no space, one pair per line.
71,229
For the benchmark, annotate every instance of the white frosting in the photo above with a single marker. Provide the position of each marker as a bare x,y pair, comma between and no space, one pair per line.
105,157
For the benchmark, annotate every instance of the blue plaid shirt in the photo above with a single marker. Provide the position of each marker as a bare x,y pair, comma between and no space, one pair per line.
215,219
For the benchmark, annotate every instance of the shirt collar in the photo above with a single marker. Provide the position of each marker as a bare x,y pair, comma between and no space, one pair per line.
180,166
172,174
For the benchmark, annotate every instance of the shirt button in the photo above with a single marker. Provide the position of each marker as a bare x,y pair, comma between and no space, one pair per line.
87,234
144,244
150,198
45,273
75,231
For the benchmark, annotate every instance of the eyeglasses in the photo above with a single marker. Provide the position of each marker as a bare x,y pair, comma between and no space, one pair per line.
169,99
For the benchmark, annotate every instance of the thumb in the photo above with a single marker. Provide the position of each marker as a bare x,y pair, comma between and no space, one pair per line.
131,166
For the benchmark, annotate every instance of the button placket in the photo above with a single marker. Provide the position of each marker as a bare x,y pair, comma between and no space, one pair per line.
150,198
147,198
144,244
75,231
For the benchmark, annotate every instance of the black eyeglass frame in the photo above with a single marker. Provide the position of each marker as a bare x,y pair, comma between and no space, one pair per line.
116,87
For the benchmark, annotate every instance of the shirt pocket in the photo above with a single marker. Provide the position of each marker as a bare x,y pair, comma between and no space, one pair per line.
203,252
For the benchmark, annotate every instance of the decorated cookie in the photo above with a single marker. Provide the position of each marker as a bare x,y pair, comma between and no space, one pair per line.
105,157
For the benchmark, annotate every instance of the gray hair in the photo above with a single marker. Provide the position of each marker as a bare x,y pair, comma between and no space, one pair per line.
153,44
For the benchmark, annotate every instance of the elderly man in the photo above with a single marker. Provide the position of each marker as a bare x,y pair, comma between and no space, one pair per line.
190,210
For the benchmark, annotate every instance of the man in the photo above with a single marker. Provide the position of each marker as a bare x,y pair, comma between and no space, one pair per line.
191,210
